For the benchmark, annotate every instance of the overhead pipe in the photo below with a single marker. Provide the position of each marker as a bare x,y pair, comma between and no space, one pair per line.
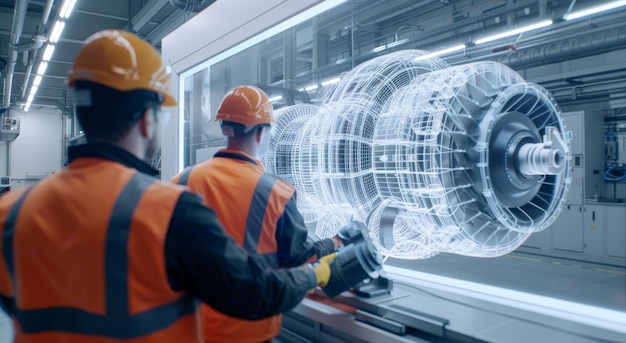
591,43
36,43
45,15
557,44
19,15
191,5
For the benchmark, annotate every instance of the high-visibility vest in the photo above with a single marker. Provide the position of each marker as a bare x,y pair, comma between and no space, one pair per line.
248,202
82,258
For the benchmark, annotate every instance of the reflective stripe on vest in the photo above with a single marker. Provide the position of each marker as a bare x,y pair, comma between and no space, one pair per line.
117,323
258,206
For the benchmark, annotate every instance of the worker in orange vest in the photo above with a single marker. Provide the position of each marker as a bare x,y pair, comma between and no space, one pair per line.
257,209
103,251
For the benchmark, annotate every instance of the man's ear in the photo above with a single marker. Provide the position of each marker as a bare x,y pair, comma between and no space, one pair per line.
147,123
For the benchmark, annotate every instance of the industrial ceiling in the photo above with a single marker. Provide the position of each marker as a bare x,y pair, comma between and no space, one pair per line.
373,27
25,30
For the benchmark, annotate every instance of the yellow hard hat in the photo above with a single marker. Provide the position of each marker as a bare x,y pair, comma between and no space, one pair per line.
122,61
246,105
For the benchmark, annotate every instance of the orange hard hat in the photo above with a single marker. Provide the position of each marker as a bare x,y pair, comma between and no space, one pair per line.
246,105
122,61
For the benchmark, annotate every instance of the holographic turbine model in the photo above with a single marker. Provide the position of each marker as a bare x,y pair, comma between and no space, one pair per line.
467,159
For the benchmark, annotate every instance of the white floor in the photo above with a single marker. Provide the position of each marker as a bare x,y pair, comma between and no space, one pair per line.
584,283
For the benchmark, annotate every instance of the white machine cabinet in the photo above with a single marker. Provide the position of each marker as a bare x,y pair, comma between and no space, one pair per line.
567,231
594,229
616,231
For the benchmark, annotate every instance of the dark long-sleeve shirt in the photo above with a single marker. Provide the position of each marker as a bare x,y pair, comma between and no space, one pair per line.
291,236
206,262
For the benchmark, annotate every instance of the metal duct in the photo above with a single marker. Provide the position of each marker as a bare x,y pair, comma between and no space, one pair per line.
567,48
38,41
19,15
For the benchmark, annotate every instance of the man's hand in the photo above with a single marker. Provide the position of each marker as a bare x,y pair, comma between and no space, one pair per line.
352,232
322,269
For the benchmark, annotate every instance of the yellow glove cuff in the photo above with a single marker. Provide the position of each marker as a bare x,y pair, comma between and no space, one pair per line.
322,269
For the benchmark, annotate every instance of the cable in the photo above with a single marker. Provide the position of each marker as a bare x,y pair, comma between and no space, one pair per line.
615,174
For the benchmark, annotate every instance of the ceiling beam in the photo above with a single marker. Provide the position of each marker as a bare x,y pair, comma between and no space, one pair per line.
147,12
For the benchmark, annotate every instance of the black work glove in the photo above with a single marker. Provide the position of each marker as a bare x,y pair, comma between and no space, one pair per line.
353,232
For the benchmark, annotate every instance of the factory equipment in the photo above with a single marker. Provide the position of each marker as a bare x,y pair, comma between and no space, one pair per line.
10,128
357,263
467,159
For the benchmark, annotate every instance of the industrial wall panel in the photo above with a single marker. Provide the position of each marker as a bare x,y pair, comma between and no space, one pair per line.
594,229
38,150
616,231
567,231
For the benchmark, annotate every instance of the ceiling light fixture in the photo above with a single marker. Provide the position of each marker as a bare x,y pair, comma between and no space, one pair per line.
331,81
53,38
47,54
67,8
379,48
42,68
597,9
441,52
57,29
515,31
37,80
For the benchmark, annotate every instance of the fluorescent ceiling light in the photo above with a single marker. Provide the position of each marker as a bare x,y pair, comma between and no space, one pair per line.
37,80
392,44
441,52
583,13
33,91
275,98
57,29
515,32
380,48
330,82
30,98
42,68
27,107
67,8
310,88
47,54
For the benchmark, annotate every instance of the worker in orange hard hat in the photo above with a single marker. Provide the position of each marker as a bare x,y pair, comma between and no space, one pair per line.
103,251
257,209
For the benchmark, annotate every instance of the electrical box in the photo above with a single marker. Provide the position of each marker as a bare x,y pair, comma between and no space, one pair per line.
10,127
588,152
